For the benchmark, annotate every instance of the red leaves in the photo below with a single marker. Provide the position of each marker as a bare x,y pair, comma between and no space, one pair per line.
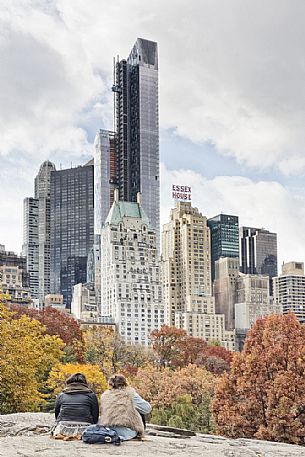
264,392
57,323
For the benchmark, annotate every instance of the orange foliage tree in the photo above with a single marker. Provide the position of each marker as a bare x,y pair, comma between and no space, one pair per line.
263,396
180,398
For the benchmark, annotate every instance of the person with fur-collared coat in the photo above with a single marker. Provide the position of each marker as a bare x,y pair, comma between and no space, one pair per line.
122,409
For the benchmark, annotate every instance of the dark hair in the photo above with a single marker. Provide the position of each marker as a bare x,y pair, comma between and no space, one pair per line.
77,377
117,381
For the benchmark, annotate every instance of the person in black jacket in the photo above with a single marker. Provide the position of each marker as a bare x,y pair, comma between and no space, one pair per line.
76,407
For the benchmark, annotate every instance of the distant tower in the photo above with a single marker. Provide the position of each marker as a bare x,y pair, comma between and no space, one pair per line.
258,252
72,227
137,128
186,270
224,238
130,284
36,233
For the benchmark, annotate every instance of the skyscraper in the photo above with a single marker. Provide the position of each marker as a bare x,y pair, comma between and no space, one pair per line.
131,288
105,181
42,194
72,227
186,276
30,247
36,233
224,238
258,252
137,128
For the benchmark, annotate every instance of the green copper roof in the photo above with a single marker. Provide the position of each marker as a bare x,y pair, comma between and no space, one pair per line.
125,209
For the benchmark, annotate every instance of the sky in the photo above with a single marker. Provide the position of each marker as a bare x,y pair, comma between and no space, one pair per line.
232,101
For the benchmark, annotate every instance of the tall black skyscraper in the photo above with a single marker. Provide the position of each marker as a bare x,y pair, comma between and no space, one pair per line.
137,128
258,252
72,227
224,238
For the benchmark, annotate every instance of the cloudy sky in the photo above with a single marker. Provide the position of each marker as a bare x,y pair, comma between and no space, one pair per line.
232,101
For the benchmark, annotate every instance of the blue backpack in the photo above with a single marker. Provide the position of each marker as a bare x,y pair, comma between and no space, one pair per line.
100,434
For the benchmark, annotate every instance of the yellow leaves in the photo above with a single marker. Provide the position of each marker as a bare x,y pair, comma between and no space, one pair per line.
26,353
93,374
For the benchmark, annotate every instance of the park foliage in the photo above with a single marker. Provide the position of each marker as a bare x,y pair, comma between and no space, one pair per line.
258,393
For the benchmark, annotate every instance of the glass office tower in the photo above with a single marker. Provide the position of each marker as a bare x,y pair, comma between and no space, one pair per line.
137,128
258,252
224,238
72,226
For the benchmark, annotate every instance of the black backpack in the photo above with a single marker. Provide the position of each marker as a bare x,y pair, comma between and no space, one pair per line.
100,434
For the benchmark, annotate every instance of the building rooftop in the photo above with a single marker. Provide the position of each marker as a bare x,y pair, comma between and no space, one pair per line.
121,209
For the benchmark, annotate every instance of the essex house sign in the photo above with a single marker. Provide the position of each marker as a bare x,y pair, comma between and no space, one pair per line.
181,192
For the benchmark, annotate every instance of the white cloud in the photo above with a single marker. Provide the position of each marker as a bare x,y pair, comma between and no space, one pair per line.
231,72
258,204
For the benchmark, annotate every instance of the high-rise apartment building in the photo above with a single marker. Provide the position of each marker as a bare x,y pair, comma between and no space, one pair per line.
30,247
289,289
72,227
258,252
224,238
130,284
224,286
42,195
186,274
137,128
36,233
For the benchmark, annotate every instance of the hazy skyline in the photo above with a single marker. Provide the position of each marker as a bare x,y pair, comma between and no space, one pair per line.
232,100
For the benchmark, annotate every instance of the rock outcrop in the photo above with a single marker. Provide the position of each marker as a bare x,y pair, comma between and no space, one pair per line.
27,435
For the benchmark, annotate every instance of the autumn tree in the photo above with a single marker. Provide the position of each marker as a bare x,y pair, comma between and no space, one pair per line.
215,359
104,347
27,353
57,323
61,372
165,343
263,396
180,398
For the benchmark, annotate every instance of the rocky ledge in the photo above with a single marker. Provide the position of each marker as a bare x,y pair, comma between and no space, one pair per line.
27,435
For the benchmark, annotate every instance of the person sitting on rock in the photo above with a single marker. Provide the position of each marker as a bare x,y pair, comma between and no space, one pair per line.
122,408
76,407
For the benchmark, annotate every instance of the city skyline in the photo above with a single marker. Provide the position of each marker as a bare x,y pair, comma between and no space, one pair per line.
233,157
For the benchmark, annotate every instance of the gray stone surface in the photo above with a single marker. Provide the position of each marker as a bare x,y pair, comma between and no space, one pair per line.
26,435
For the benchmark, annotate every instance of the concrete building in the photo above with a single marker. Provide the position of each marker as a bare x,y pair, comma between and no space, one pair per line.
130,285
224,238
252,302
289,289
258,252
137,128
83,305
55,301
226,273
186,276
72,227
36,233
